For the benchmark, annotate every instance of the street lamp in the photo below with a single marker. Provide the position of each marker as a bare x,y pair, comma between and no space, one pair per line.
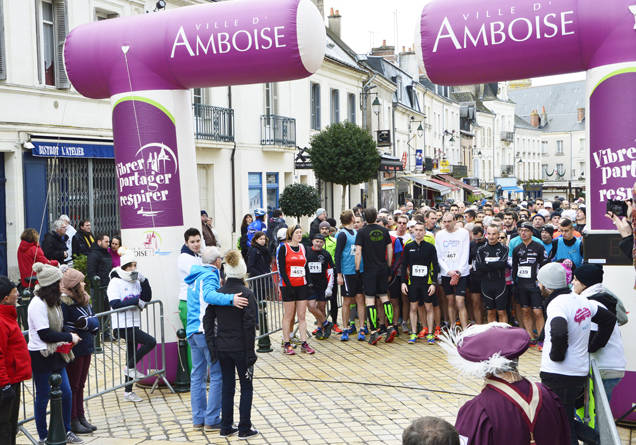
375,106
420,131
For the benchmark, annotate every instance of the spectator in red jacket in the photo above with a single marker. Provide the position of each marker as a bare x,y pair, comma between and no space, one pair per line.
29,253
15,363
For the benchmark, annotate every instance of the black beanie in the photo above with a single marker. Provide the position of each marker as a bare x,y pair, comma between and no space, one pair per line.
6,286
589,274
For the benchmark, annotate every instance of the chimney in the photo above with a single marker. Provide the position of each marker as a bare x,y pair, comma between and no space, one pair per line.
407,60
535,119
387,52
334,22
580,114
544,116
320,4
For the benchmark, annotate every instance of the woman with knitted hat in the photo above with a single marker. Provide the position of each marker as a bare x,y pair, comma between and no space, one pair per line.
588,283
230,333
50,347
79,318
131,290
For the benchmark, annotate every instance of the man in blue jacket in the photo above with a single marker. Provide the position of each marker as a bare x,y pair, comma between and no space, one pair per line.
203,282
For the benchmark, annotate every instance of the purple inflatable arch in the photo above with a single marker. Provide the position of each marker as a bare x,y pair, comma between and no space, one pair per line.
467,42
146,64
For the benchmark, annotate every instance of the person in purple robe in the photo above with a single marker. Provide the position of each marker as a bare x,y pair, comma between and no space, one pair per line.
510,408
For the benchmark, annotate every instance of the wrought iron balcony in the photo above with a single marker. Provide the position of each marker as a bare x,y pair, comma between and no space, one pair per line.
507,170
213,123
508,136
278,130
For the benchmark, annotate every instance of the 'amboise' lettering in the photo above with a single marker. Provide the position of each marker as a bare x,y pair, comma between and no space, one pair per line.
520,29
223,42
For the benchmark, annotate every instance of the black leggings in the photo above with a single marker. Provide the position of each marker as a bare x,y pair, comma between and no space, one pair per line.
333,307
135,336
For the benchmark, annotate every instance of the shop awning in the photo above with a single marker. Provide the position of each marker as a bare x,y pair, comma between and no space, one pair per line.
429,184
512,189
390,163
445,184
66,148
458,183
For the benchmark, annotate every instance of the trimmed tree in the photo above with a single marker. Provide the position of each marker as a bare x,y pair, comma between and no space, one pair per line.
344,154
299,200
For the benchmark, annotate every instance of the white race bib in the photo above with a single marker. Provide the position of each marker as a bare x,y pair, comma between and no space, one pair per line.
419,271
491,259
315,267
296,271
524,272
451,255
353,250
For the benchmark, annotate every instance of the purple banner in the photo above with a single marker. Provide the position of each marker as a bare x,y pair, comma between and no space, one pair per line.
612,146
147,166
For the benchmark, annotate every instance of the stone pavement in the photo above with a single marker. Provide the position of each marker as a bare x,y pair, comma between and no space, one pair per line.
347,393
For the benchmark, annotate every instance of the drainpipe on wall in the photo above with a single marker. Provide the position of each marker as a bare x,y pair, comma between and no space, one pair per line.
229,104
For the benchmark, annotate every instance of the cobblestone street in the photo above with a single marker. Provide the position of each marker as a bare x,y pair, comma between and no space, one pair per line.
347,393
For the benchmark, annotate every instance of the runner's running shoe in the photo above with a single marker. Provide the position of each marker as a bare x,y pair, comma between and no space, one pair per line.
327,327
315,331
288,349
306,348
319,334
405,327
361,336
374,338
412,338
438,332
423,333
390,334
335,328
365,330
430,339
352,329
344,336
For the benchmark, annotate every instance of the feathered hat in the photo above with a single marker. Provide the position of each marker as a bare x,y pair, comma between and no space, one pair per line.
486,349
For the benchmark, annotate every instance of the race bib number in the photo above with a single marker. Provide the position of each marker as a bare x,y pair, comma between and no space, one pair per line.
491,259
450,255
419,271
353,250
296,271
315,267
524,272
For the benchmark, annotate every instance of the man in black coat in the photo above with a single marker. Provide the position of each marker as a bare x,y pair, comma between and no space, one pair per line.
99,261
54,242
314,227
83,239
230,333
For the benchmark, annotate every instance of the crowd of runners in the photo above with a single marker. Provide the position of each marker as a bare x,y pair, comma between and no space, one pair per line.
415,271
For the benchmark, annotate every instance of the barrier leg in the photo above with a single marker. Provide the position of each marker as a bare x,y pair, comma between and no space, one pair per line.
264,343
182,380
57,431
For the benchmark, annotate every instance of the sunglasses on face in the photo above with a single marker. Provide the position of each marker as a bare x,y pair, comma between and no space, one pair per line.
402,223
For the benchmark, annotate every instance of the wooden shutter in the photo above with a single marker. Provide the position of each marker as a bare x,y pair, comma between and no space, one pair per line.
3,54
60,29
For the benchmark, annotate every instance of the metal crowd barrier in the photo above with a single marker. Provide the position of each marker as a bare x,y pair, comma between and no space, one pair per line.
109,366
266,288
604,419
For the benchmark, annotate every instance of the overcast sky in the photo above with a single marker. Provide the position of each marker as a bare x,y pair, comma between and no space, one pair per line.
366,23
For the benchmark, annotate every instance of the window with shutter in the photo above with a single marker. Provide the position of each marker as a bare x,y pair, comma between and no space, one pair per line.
60,26
3,54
